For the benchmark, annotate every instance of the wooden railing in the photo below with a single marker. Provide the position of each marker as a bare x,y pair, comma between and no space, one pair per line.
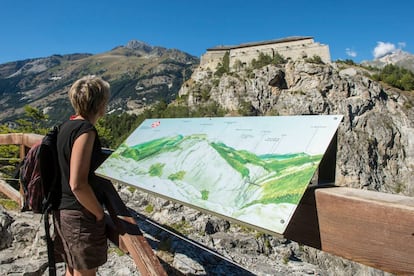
372,228
123,230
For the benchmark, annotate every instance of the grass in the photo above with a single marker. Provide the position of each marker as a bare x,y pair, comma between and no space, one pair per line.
116,250
156,169
131,189
182,227
149,208
9,204
177,176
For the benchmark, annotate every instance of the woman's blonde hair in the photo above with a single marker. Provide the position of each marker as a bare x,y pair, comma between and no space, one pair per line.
88,94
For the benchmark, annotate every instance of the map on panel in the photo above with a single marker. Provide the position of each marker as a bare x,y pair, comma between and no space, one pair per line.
252,170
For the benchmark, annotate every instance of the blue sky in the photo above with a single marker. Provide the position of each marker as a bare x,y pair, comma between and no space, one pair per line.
357,30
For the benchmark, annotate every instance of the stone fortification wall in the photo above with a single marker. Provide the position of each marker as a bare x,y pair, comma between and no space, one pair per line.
211,59
294,48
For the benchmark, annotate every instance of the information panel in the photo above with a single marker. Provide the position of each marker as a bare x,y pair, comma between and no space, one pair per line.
252,170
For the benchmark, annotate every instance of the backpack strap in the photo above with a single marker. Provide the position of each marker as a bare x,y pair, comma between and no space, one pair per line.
50,244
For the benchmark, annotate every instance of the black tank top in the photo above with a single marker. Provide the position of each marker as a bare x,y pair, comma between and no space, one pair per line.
68,133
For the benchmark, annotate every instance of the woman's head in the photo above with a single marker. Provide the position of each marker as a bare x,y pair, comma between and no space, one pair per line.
89,96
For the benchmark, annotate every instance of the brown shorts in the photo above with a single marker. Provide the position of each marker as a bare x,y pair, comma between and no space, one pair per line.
80,241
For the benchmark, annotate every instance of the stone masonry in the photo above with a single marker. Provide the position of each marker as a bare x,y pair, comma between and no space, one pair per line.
290,47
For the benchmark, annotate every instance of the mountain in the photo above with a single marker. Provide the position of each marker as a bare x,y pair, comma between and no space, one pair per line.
139,74
398,58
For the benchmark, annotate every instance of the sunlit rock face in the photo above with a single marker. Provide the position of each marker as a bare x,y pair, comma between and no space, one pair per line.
375,144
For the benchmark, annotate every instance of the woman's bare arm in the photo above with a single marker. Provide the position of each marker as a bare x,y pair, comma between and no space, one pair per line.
79,171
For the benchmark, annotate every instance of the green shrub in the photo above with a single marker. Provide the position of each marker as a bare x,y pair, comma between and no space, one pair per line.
9,204
149,208
396,76
156,169
278,59
224,66
347,61
315,59
204,194
261,61
246,109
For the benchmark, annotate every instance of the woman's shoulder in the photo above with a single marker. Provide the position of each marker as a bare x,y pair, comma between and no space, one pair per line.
76,127
78,124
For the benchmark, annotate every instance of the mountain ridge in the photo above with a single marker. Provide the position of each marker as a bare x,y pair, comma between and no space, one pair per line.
398,58
139,74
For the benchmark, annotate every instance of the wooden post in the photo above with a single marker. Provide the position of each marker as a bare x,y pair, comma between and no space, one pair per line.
10,192
368,227
25,140
130,237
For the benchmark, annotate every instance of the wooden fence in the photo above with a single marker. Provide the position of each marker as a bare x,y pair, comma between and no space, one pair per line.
123,230
372,228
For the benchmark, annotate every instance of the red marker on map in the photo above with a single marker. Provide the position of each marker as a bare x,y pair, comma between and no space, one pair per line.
155,124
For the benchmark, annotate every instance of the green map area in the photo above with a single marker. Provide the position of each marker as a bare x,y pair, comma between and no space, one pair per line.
242,178
281,181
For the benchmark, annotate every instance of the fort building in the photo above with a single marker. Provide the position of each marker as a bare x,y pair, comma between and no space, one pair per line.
290,47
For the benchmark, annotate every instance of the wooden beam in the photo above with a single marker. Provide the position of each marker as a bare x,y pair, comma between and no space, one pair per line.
26,139
376,229
113,234
30,139
10,192
130,237
372,228
11,139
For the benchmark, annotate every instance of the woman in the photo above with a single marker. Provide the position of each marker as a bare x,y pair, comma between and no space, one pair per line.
79,221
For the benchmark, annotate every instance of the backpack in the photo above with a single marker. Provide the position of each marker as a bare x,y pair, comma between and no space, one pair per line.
39,176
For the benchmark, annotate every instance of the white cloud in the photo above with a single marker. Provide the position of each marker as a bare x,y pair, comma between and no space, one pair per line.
401,45
351,52
383,48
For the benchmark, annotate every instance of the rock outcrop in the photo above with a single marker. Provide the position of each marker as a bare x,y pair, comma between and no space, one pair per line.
375,145
186,241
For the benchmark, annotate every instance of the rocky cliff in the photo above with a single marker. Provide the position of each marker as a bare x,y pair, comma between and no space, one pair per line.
375,145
